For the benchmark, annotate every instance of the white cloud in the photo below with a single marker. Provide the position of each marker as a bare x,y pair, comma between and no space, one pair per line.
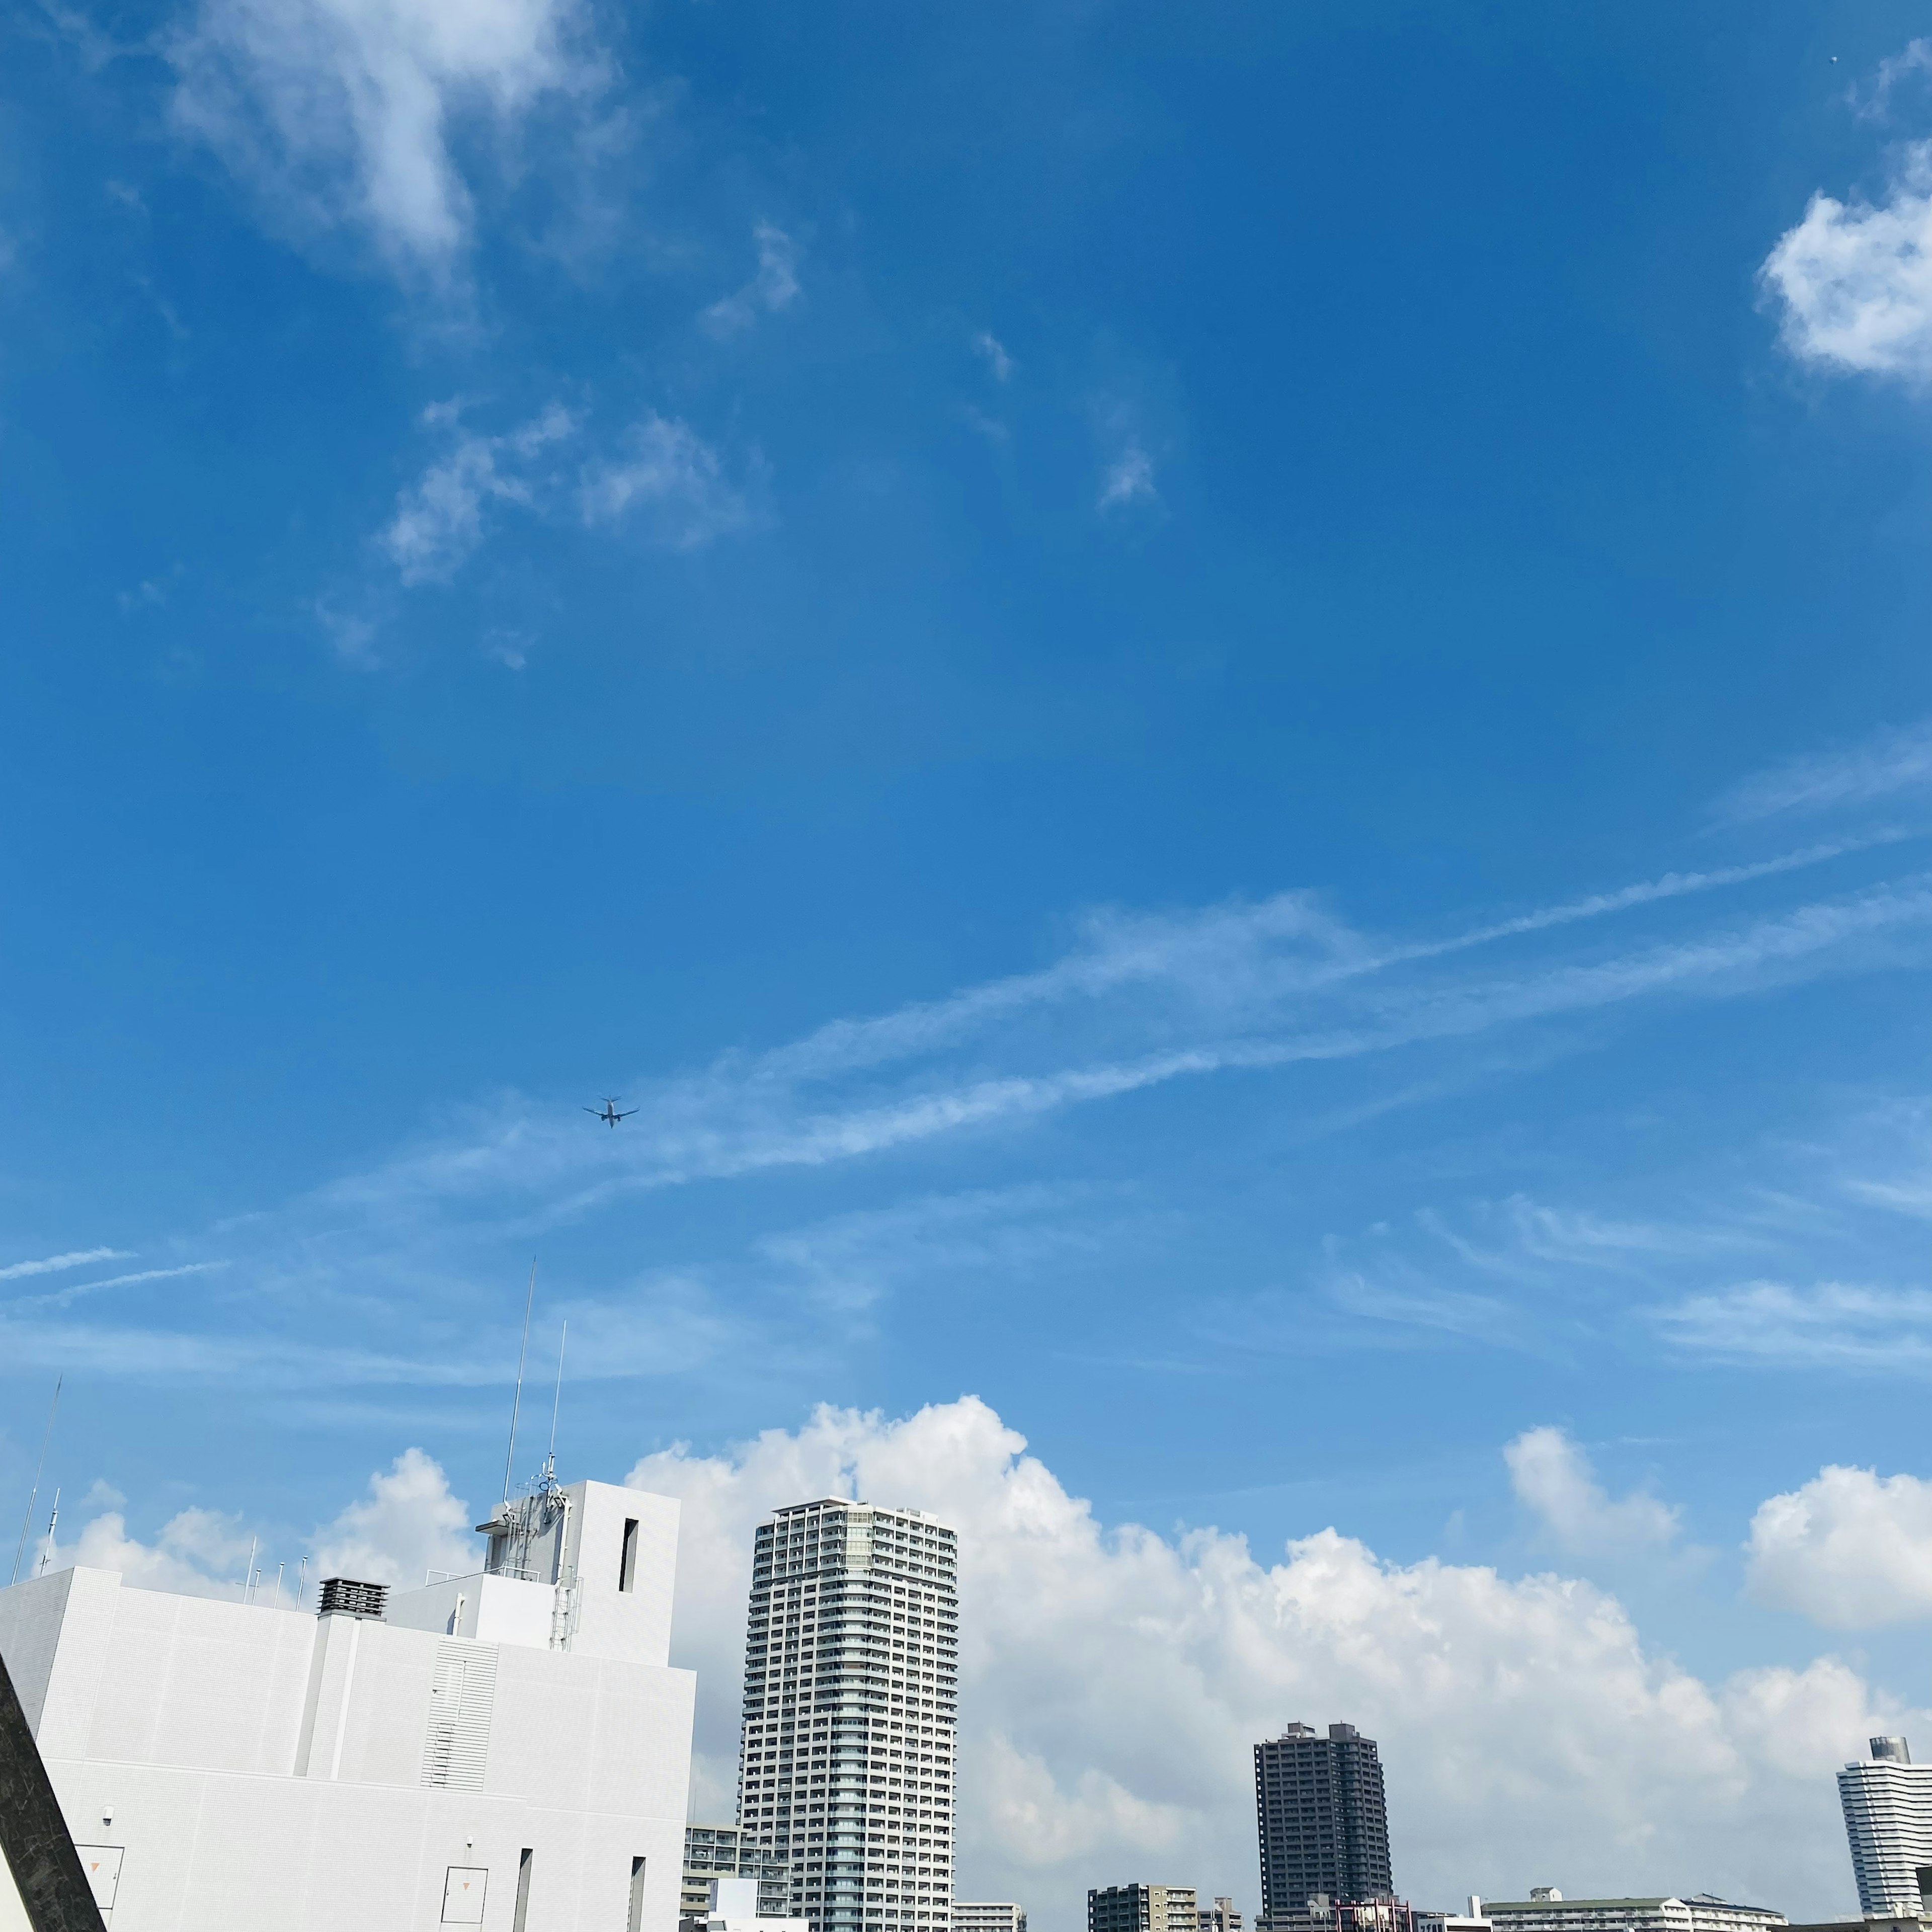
57,1264
672,479
1128,479
200,1552
1113,1681
1896,759
1851,1550
74,1292
1552,1475
407,1524
989,345
439,521
338,112
773,288
1843,1325
1855,279
1138,1000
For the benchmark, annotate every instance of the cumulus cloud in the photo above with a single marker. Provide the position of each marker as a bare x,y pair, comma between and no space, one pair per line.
1855,279
1851,1550
340,113
439,521
1113,1681
200,1552
671,479
1552,1477
405,1524
773,288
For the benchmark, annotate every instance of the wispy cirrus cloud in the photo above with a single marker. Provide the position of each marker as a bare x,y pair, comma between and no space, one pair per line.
665,479
993,352
1143,1001
336,115
58,1264
1128,478
1137,1002
1845,1325
771,291
439,522
64,1297
1895,760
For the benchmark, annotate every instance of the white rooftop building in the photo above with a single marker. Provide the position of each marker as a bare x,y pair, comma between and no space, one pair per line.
1547,1910
510,1749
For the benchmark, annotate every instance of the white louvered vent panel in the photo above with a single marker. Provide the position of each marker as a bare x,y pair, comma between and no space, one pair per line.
456,1751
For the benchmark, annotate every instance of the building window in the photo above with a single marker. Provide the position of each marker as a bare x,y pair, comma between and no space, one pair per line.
627,1564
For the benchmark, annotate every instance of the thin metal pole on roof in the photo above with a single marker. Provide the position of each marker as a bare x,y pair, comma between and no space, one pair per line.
27,1521
557,1402
516,1401
53,1523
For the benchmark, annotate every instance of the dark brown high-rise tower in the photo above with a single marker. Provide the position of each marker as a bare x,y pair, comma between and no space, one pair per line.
1321,1816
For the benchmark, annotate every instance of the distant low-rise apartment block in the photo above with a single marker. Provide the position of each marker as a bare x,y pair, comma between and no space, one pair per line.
982,1915
1142,1908
1221,1916
727,1851
1545,1909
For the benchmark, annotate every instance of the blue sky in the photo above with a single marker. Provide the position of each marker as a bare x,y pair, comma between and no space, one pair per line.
1222,713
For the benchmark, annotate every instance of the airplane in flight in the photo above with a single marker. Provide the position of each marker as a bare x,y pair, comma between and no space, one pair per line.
609,1113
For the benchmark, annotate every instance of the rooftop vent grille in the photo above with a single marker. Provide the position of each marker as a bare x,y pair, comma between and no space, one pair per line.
353,1599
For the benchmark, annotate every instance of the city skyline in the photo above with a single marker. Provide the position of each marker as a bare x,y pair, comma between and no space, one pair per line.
1159,776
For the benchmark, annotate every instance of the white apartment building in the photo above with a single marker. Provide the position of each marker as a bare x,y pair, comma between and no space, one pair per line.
1887,1805
999,1915
850,1713
509,1750
1547,1910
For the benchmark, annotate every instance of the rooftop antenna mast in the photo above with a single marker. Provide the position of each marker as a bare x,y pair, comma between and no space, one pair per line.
53,1523
26,1521
550,1461
516,1401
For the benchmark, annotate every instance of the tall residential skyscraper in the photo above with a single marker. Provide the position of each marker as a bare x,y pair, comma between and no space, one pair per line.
851,1662
1887,1802
1321,1818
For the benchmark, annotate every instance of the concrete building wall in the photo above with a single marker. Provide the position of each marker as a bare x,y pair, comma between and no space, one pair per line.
253,1766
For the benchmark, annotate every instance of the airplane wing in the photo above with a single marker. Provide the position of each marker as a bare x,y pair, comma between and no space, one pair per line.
627,1113
598,1112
